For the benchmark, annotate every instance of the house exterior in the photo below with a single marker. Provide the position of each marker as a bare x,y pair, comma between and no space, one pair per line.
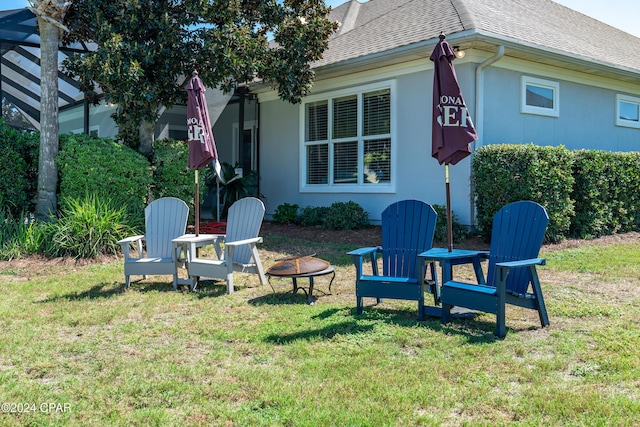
533,72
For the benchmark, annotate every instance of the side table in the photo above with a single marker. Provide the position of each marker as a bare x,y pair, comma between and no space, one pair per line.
447,260
184,249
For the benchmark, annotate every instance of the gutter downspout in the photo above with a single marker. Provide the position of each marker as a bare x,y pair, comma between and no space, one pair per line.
480,114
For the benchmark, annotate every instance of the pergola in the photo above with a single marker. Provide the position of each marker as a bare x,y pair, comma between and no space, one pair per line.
20,67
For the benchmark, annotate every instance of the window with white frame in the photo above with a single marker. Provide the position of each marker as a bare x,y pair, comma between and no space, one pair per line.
347,140
540,97
627,111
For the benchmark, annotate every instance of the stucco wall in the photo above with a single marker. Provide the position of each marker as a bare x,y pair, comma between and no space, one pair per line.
586,120
418,175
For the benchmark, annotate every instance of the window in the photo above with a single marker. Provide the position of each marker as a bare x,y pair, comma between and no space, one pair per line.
540,97
347,140
628,111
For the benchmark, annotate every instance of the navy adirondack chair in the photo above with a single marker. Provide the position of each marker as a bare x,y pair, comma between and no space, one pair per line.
516,237
408,227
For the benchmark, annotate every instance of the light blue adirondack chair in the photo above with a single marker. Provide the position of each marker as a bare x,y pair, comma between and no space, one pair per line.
237,249
164,220
408,228
512,278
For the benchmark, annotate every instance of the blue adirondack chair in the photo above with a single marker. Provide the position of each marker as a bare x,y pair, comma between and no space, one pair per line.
408,227
516,237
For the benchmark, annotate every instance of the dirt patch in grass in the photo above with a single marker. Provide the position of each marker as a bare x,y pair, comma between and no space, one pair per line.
370,236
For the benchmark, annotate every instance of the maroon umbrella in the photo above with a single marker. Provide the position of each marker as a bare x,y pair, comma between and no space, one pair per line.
202,147
452,129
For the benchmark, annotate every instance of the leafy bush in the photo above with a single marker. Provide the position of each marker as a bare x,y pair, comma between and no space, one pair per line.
87,228
103,168
313,215
507,173
18,169
286,214
172,176
606,193
460,232
346,216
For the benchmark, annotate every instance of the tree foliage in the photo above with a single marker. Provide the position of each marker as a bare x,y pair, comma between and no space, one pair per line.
147,49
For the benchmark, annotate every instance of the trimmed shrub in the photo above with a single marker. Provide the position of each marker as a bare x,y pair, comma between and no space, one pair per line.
286,214
503,173
313,215
172,176
18,169
106,169
346,216
606,193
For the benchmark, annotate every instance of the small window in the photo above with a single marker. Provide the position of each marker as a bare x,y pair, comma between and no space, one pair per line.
627,111
540,97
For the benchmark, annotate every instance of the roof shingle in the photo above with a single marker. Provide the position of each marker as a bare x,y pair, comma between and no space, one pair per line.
384,25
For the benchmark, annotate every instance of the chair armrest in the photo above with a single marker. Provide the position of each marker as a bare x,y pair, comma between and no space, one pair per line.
125,245
364,251
131,239
244,241
522,263
502,271
357,257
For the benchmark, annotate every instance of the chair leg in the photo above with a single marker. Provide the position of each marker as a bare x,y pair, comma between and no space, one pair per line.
230,283
256,260
501,327
358,305
446,313
127,282
501,318
537,291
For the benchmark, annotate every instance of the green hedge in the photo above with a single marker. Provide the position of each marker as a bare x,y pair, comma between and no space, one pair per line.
172,176
606,193
503,173
104,168
18,169
587,193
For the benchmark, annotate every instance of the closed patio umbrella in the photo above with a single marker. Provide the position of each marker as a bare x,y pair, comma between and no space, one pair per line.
202,146
452,128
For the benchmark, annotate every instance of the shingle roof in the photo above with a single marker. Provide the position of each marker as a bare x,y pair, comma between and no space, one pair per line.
384,25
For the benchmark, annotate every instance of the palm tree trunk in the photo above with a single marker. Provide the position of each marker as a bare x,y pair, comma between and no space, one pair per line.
47,171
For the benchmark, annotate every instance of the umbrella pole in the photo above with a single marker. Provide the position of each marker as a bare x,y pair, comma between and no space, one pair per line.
449,218
197,203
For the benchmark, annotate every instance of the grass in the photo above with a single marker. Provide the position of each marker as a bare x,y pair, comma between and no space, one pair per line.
85,352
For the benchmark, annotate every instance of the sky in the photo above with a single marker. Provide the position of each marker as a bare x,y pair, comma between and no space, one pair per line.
622,14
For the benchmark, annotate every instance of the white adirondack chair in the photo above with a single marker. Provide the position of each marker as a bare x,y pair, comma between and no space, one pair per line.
165,219
237,249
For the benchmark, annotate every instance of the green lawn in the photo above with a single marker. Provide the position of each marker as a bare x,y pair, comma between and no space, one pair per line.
76,349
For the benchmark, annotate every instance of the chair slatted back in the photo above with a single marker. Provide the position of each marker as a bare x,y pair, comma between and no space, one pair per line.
517,234
243,222
408,227
165,219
